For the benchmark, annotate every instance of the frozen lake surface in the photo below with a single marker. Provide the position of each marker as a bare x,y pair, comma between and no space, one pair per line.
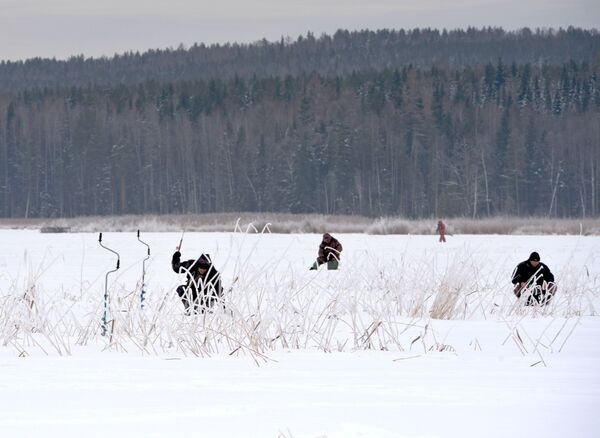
410,338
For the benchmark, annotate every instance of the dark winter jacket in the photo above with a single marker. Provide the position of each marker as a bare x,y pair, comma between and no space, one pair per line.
525,271
330,248
209,283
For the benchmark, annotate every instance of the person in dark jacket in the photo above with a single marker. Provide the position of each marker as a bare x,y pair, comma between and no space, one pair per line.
203,287
329,252
534,276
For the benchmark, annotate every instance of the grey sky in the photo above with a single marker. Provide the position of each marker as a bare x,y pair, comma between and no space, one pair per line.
61,28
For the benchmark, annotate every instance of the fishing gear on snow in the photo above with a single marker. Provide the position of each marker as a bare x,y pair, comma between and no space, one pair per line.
105,315
143,288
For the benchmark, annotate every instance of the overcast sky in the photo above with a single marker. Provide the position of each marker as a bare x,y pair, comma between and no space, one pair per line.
61,28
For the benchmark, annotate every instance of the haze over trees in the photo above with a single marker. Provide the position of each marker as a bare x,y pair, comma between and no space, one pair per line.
414,123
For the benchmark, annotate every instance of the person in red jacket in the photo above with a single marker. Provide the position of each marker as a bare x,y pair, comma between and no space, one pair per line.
441,230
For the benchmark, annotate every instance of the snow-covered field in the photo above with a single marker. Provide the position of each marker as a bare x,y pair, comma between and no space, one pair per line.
409,338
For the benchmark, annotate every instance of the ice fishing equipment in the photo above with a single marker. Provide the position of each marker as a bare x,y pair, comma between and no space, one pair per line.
105,315
143,288
181,240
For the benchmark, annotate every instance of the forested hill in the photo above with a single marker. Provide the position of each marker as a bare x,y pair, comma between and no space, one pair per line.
479,134
339,54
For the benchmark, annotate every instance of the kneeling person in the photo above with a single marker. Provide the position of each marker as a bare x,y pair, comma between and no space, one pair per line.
203,287
536,276
330,251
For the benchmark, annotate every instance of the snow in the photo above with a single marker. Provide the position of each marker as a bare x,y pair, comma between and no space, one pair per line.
495,369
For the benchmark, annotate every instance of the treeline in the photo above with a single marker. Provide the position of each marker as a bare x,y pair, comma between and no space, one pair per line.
514,139
329,55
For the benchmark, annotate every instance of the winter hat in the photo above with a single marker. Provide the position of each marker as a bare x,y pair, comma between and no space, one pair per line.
534,256
203,262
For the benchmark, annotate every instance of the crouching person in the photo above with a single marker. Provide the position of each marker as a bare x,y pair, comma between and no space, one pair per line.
203,288
330,251
535,277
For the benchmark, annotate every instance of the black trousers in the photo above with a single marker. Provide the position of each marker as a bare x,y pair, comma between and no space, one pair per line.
541,295
193,301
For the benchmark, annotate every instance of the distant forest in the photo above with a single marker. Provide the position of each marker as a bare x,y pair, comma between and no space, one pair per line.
479,122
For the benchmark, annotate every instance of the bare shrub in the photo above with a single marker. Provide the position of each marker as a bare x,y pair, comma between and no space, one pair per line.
373,303
54,229
313,223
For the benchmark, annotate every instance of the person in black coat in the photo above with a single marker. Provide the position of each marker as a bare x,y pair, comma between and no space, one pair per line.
203,287
536,277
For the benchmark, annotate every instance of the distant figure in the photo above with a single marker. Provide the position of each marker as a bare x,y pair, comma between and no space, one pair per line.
441,230
329,252
203,287
532,275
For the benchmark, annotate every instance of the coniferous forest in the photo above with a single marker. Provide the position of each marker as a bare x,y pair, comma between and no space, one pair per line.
475,122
